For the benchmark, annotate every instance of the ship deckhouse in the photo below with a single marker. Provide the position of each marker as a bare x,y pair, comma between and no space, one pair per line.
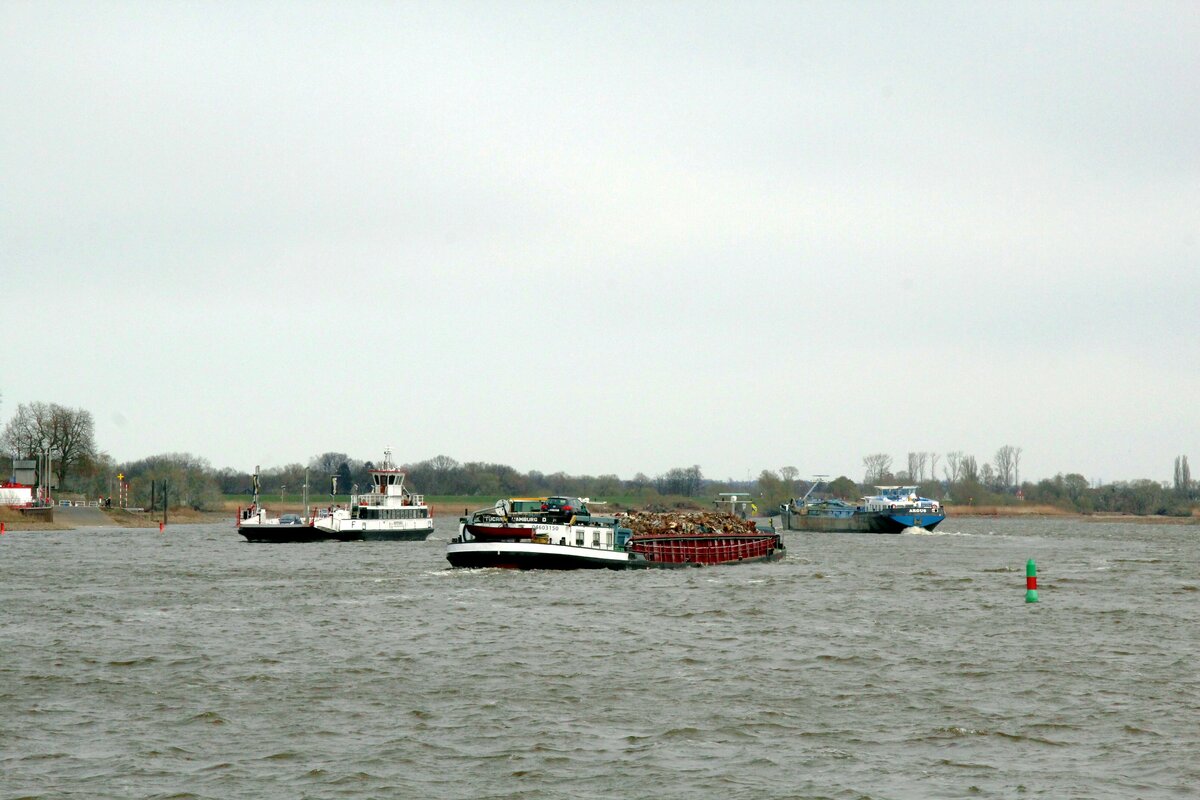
898,498
388,511
388,498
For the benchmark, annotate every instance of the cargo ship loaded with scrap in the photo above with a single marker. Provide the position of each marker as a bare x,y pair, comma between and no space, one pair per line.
562,533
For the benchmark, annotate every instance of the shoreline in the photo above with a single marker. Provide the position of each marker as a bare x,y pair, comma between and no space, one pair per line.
119,518
113,518
1058,513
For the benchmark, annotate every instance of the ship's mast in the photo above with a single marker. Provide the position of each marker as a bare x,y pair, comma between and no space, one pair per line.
817,481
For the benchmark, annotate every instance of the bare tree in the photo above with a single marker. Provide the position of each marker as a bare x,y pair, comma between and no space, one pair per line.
1017,466
1005,464
75,439
441,463
954,466
327,464
789,475
878,466
933,465
682,480
67,435
987,476
639,481
968,468
914,467
28,433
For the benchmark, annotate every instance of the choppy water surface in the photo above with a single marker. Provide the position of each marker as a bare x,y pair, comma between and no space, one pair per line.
192,664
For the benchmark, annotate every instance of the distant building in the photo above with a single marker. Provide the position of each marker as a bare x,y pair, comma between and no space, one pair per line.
25,472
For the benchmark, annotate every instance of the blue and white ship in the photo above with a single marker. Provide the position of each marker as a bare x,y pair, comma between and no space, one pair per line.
893,510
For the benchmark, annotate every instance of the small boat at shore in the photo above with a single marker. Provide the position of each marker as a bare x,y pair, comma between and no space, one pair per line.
563,534
388,512
893,509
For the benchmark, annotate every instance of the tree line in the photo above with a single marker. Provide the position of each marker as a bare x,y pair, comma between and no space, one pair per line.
443,475
68,435
965,480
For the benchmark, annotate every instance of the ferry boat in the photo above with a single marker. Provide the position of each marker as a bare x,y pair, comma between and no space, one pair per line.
388,512
562,533
257,525
892,510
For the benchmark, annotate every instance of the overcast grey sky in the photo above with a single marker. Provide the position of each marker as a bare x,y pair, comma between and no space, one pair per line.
608,237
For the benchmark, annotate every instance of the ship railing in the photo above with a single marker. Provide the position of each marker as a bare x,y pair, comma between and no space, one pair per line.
901,508
379,500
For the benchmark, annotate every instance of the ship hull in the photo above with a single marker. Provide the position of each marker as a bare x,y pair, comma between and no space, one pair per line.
316,533
536,555
284,533
418,535
355,530
531,555
864,522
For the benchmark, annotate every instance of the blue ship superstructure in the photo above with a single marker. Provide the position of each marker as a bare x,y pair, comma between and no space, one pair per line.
904,507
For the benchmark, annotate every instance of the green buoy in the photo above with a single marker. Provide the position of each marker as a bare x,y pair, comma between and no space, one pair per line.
1031,582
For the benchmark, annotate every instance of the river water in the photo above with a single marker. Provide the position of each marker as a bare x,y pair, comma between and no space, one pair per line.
191,664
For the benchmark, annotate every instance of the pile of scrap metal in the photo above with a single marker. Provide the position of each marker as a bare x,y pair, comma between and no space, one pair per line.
673,523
